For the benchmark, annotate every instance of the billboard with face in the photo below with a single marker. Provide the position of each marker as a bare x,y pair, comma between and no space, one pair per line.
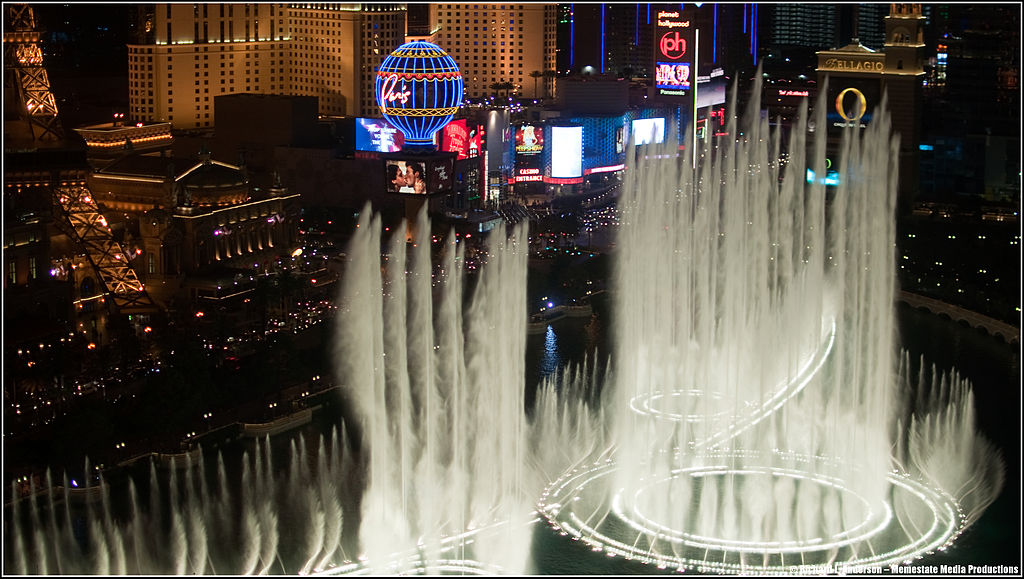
529,140
418,175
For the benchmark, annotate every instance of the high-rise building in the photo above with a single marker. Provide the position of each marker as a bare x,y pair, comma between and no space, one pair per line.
858,78
498,43
188,54
972,139
618,39
868,23
811,26
610,39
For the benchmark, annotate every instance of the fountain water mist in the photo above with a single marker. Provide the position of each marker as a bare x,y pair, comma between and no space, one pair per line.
755,417
755,394
192,522
440,398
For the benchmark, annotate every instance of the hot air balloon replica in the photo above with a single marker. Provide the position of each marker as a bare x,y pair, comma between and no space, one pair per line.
419,90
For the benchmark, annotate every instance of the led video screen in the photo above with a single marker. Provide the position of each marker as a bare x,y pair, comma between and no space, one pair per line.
673,75
378,135
648,131
418,176
455,139
529,140
566,152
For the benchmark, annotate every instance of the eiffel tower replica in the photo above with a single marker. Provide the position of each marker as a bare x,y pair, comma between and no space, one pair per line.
44,173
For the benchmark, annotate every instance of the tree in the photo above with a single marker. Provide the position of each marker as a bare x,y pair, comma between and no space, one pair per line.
536,75
548,74
502,86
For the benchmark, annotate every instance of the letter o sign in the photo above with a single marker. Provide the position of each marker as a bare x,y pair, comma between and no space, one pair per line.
862,105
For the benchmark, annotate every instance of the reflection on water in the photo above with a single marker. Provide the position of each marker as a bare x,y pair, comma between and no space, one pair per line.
566,341
551,360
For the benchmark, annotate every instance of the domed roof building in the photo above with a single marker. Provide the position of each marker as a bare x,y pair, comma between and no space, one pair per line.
189,217
212,184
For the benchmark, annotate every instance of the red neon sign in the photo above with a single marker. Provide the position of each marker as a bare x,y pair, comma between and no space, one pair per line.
607,169
563,180
672,45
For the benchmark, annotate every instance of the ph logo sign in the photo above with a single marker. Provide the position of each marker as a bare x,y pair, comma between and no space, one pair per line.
672,45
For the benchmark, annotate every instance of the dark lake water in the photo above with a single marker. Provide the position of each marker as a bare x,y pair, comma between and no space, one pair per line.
992,366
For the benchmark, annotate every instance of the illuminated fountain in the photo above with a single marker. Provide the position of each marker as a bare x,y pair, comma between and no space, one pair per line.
196,515
757,417
757,397
438,393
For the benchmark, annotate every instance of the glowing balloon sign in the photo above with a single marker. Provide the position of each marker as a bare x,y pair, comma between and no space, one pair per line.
419,90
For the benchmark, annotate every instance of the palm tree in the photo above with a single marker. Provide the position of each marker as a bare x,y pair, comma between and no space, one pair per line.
502,86
548,74
535,75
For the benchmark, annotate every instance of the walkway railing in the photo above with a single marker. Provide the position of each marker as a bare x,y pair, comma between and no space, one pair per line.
975,320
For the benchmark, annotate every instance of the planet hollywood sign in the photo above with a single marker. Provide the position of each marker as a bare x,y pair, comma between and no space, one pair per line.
670,20
673,44
847,64
674,54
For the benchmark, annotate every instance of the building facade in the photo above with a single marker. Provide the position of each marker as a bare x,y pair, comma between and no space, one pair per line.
188,54
498,43
859,77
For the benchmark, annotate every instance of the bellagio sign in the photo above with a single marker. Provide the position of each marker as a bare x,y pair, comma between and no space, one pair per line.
853,65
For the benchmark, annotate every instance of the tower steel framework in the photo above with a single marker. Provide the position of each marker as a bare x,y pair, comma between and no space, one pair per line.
25,76
107,256
28,85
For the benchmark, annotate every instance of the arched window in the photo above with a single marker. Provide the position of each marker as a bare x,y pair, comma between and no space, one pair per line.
87,289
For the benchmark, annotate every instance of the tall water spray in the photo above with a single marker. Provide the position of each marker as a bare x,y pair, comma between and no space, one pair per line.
756,418
755,399
189,516
438,391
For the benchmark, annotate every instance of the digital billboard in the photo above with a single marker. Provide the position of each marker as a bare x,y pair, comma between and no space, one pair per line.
475,141
378,135
529,140
711,89
455,139
566,152
673,75
440,174
648,131
418,175
674,53
529,143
